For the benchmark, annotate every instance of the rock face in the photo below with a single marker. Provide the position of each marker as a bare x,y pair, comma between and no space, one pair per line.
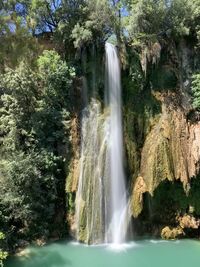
161,137
184,222
73,174
188,221
171,151
171,233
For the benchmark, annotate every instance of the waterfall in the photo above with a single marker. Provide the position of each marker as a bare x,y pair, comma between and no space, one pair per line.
101,204
118,191
90,194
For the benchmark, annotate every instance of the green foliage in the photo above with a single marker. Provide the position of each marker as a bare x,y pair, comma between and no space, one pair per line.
157,18
3,254
194,20
146,17
34,129
81,35
73,22
42,15
28,190
178,18
16,40
95,26
196,91
35,103
54,68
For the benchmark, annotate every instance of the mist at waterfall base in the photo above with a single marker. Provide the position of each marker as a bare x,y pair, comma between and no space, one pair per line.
101,202
146,253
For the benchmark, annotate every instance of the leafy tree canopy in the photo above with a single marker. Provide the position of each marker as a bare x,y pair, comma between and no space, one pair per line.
163,18
34,123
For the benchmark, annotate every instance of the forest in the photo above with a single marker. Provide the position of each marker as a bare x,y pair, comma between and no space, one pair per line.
51,67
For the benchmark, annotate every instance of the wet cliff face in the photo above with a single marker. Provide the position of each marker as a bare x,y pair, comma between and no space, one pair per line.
171,151
161,138
162,135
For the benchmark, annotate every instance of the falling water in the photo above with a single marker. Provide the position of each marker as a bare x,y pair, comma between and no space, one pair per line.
101,206
90,193
118,192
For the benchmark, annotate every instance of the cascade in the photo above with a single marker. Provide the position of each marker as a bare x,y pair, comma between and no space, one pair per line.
90,197
117,177
101,204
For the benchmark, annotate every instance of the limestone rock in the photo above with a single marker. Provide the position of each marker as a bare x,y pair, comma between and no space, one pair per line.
188,221
171,233
171,150
137,199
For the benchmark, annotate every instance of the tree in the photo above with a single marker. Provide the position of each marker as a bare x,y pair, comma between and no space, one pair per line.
96,26
15,36
146,17
34,124
173,19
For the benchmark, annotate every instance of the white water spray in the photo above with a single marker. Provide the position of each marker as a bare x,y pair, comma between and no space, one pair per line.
117,227
101,203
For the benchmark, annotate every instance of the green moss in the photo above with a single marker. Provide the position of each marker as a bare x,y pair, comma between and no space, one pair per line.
69,180
82,230
162,165
139,118
71,202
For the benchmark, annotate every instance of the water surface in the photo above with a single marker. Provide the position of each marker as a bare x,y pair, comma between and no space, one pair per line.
146,253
